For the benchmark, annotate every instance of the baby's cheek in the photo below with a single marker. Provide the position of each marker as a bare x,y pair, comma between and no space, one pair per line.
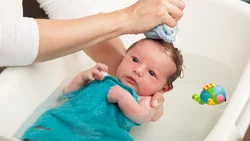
146,90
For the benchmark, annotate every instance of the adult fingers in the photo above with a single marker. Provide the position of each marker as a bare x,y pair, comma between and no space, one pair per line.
158,114
175,12
157,100
178,3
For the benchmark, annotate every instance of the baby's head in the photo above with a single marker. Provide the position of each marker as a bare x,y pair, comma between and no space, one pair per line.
150,66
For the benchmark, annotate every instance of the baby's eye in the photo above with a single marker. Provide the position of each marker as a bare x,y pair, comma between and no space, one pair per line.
135,60
151,73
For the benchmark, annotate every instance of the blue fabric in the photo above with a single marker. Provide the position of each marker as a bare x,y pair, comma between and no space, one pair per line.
163,32
86,115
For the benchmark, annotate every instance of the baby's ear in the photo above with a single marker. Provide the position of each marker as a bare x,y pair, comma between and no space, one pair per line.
166,88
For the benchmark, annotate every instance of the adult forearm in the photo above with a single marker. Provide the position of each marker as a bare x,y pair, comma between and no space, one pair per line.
59,38
110,53
63,37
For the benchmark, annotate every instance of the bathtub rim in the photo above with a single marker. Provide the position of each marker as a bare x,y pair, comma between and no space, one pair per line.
236,112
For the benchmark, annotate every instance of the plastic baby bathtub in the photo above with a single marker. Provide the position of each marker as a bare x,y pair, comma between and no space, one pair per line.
214,39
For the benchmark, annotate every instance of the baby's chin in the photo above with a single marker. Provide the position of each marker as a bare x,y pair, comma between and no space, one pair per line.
142,93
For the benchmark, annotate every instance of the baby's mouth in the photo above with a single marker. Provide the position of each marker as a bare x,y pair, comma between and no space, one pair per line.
131,80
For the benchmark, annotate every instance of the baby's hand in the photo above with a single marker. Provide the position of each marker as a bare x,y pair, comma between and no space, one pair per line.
94,73
115,93
86,77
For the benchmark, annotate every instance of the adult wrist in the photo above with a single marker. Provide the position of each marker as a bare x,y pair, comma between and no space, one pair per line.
124,22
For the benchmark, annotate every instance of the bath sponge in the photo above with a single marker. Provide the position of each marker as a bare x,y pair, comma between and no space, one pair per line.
164,32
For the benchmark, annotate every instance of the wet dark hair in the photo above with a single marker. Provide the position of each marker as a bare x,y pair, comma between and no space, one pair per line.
175,55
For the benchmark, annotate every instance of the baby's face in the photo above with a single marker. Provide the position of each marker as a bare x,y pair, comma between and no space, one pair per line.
145,68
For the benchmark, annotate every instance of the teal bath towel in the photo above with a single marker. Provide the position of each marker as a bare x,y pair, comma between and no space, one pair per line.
86,115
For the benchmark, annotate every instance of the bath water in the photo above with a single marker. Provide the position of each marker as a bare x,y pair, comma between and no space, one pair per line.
184,118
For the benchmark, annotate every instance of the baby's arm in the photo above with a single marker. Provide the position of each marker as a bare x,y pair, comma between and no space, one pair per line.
86,77
138,112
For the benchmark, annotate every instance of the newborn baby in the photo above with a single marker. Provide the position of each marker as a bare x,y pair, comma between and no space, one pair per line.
105,108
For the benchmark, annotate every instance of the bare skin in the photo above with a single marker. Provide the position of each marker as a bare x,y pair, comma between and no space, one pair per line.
62,37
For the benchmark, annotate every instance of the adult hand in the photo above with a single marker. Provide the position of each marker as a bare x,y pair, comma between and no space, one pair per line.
157,102
147,14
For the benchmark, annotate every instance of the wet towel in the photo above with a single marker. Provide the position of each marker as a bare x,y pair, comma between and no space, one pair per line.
163,32
85,115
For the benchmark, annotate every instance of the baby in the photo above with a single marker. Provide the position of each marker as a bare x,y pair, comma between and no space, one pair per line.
104,108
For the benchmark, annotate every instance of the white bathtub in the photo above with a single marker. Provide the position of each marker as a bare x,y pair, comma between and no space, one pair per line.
214,39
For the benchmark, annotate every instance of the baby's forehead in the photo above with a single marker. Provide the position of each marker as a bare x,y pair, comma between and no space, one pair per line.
146,44
161,56
149,45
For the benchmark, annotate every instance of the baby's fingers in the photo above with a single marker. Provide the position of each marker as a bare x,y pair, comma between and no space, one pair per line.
88,78
102,67
96,74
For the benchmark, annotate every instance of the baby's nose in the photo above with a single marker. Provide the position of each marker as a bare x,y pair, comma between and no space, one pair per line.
139,70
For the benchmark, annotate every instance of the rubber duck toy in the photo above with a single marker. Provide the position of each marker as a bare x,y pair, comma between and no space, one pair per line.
212,94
